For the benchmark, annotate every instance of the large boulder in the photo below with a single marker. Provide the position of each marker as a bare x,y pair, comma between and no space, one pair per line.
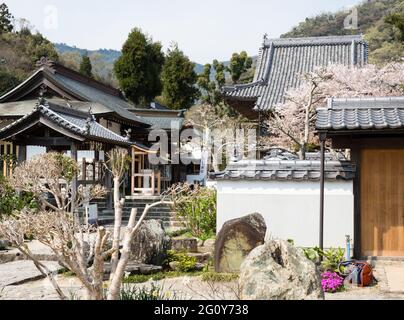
279,271
150,244
235,241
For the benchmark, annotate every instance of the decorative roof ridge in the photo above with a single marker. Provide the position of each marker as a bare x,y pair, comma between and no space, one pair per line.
306,41
287,162
179,112
33,75
48,112
242,85
364,103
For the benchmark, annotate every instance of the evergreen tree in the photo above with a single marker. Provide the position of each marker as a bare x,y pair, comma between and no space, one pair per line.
396,19
85,66
211,89
178,80
5,19
139,67
239,64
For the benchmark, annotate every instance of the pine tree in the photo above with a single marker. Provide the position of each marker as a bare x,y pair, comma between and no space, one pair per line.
179,80
139,67
239,64
5,19
85,66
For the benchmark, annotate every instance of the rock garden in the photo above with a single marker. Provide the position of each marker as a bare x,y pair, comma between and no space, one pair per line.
49,254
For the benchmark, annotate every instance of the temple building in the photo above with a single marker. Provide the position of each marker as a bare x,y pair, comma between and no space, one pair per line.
282,62
58,109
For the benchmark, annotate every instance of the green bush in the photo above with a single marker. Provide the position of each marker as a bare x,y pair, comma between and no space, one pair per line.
141,278
331,257
11,201
196,208
186,263
219,277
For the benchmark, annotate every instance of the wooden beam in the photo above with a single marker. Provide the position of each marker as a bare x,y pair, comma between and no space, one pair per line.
43,141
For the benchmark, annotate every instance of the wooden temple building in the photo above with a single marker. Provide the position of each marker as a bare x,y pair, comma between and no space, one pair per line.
58,109
282,62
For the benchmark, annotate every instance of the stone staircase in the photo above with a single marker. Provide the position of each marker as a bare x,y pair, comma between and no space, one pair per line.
162,212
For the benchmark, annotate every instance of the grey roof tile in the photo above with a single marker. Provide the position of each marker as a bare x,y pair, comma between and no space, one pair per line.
297,170
92,94
362,114
80,123
281,62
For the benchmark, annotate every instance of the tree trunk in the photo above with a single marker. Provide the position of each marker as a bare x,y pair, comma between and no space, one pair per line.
118,208
117,276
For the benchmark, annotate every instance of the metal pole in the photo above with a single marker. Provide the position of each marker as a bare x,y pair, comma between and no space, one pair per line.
322,182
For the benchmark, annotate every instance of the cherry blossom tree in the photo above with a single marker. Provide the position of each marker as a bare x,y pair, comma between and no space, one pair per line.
291,123
219,133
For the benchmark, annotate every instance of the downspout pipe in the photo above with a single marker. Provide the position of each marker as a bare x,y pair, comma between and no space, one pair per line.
322,185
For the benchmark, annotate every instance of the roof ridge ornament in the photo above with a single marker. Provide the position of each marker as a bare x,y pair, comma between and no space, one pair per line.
41,99
91,114
128,133
87,126
44,62
265,38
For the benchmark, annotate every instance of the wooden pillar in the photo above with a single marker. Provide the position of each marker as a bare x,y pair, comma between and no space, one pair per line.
132,178
73,150
108,183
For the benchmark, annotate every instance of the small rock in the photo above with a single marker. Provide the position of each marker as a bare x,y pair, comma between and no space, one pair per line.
4,244
209,245
279,271
199,266
134,268
202,257
184,244
235,241
174,265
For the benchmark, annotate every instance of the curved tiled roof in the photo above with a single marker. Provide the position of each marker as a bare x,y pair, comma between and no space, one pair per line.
281,62
80,87
362,114
78,122
286,170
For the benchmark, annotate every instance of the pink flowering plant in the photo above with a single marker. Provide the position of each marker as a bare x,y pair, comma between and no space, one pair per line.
331,282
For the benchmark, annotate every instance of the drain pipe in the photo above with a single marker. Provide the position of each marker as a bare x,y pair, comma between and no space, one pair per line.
348,247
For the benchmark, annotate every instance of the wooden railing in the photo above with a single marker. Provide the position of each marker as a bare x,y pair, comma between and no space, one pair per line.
90,172
7,158
146,182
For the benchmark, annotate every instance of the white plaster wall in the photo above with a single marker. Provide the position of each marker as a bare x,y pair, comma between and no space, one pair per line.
291,208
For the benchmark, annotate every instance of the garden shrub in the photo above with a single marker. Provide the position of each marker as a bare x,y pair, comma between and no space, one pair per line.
141,278
219,277
196,208
11,201
186,263
331,257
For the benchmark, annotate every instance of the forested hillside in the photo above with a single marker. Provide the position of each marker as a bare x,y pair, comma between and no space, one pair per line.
381,22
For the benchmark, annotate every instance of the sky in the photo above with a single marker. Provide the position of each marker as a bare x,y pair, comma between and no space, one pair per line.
204,29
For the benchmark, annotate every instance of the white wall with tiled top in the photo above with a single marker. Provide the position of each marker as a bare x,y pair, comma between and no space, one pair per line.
291,208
